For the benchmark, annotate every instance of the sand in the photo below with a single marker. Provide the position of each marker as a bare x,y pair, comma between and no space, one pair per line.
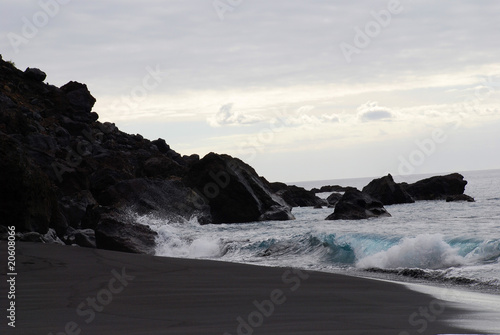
71,290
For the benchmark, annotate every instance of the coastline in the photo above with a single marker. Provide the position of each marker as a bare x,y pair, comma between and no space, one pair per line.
64,290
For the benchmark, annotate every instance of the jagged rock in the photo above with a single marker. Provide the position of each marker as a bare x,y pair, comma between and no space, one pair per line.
297,196
460,197
387,191
436,188
334,198
356,205
234,191
35,74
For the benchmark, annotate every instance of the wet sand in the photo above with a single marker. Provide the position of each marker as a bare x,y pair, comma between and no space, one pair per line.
72,290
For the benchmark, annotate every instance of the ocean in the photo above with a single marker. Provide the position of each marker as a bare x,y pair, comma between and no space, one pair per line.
451,244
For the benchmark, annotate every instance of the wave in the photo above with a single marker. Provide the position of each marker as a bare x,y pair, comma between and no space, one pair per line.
426,256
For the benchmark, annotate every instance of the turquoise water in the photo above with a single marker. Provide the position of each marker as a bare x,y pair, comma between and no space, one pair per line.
456,243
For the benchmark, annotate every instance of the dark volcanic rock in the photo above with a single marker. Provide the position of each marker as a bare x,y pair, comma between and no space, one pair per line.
79,96
27,197
387,191
334,198
234,191
35,74
356,205
460,197
113,234
333,188
63,172
297,196
436,188
166,198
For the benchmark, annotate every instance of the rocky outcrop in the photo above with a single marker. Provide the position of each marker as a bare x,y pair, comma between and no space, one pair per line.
297,196
357,205
436,188
64,171
234,192
387,191
332,188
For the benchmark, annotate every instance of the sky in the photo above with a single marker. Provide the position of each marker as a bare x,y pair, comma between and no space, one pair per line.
299,89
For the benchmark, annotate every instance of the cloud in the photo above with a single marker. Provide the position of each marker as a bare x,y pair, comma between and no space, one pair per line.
226,116
371,111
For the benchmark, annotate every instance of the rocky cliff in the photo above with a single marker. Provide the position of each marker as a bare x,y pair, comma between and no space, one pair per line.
69,178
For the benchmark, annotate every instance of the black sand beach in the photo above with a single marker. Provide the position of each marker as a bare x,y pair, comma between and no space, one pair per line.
71,290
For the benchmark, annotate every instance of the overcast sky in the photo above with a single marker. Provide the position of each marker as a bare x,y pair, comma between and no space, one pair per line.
299,89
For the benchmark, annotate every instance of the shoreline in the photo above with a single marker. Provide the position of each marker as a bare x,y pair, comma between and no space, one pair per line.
105,292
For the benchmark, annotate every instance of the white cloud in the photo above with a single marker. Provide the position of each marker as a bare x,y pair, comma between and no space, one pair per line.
226,116
371,111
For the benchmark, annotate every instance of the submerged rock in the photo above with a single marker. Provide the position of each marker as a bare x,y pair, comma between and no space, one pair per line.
387,191
357,205
460,197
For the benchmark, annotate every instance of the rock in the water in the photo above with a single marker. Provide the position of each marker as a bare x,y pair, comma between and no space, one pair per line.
387,191
460,197
113,234
334,198
356,205
297,196
35,74
234,191
437,188
332,188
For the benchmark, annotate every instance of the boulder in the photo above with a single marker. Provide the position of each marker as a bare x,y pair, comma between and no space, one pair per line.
114,234
79,97
81,237
387,191
234,191
357,205
436,188
460,197
35,74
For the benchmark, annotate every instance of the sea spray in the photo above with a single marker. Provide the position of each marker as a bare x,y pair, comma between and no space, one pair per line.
424,251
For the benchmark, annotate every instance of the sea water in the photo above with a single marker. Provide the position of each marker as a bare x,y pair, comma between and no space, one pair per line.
445,243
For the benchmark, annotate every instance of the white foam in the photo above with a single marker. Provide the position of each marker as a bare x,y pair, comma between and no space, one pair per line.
426,251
